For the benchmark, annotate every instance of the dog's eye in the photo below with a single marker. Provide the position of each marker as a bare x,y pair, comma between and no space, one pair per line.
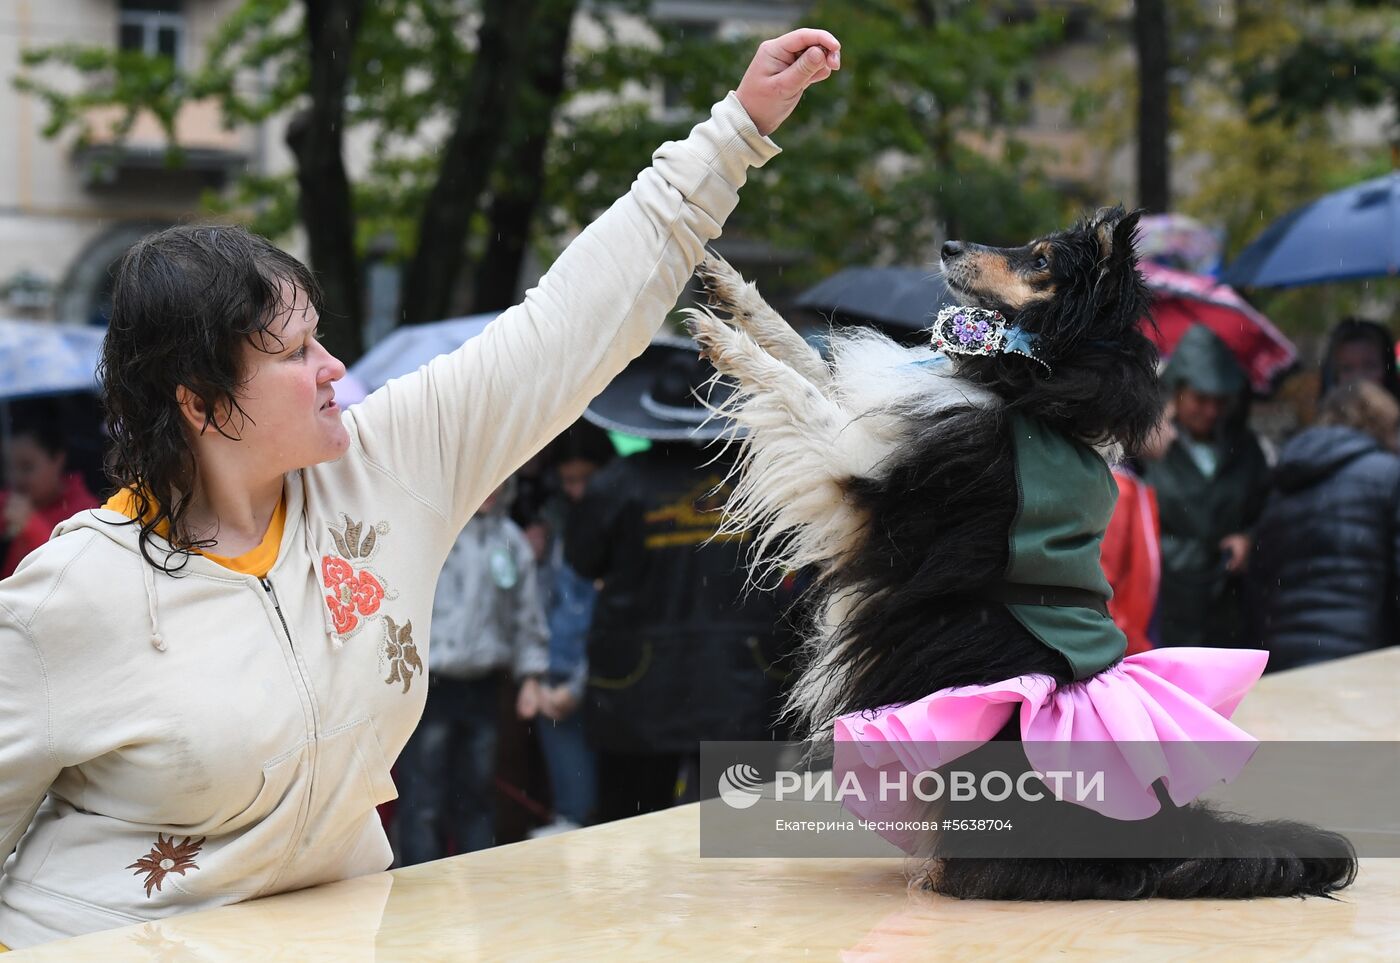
1041,263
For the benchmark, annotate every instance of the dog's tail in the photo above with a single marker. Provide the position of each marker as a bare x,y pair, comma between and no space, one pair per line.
1240,860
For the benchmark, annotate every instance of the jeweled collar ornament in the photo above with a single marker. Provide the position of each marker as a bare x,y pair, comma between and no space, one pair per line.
982,332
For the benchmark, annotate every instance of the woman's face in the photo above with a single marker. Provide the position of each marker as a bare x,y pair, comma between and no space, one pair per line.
289,395
33,472
1358,361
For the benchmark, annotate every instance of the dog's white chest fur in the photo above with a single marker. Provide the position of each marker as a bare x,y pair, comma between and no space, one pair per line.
809,428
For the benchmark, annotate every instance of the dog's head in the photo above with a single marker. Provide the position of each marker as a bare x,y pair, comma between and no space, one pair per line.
1071,286
1079,290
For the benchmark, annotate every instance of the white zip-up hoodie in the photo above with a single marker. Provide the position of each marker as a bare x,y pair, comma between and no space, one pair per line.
170,744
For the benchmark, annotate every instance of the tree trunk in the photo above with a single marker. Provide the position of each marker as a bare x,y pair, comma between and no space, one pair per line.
483,117
325,205
521,179
1154,122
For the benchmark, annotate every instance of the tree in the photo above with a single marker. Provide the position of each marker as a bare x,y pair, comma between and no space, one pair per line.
315,137
393,68
488,99
908,144
515,199
1151,40
1348,59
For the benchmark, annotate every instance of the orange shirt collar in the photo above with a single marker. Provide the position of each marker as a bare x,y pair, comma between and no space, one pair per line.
256,561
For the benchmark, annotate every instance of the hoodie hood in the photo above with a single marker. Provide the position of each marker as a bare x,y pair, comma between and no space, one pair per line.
123,531
1319,453
1201,360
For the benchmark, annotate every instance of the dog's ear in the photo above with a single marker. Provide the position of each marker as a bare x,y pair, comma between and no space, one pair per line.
1103,222
1124,235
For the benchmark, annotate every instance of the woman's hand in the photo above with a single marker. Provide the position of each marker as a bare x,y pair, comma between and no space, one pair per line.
781,70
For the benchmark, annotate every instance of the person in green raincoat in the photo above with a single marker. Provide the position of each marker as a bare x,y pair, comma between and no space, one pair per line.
1211,482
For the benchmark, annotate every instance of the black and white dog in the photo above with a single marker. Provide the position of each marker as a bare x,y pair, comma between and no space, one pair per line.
890,473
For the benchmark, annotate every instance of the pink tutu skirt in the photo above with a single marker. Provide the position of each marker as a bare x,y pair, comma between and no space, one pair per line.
1158,715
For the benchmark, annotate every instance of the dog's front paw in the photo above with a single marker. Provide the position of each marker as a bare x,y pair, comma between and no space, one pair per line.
714,338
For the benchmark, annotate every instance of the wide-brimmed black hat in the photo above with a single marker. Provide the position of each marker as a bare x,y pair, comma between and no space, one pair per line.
658,396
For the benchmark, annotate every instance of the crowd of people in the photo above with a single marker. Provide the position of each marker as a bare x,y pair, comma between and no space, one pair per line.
1216,543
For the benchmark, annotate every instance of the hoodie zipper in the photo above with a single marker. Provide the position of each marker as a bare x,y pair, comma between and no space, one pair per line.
315,723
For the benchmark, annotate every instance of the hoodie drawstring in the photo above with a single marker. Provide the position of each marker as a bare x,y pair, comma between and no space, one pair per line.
309,539
148,576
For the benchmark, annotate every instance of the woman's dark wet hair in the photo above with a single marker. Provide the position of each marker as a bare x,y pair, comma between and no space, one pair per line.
185,300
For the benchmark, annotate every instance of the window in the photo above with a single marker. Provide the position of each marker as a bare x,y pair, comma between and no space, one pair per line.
153,27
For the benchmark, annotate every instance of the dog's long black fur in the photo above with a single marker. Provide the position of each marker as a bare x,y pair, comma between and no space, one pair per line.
939,517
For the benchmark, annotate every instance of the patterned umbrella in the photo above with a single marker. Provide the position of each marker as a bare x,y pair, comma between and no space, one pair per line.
1181,300
38,358
1180,242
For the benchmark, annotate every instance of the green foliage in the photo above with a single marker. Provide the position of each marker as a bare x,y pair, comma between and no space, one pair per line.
1347,57
907,143
412,58
881,158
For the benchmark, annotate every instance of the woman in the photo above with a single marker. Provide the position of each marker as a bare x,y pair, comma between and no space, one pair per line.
1323,584
43,491
201,706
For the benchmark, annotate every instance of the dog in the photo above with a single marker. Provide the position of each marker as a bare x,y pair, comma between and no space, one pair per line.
889,472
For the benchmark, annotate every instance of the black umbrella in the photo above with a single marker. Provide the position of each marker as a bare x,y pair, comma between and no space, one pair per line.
903,299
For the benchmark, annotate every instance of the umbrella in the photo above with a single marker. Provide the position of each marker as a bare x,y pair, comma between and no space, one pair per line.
408,348
38,358
902,298
1348,234
1178,241
1181,300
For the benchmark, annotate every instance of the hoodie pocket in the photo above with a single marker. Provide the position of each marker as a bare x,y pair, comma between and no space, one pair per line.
379,783
339,825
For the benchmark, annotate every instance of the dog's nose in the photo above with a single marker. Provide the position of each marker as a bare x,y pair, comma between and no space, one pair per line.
952,248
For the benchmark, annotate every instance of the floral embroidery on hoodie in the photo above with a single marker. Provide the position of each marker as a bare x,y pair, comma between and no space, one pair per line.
353,594
167,856
401,653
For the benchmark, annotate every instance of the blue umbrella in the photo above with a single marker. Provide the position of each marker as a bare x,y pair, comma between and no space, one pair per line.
408,348
1348,234
37,358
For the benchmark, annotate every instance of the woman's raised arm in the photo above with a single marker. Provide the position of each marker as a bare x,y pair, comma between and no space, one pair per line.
455,428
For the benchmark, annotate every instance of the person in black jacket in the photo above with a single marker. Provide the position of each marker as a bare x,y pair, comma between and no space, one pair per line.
1210,485
1323,584
678,651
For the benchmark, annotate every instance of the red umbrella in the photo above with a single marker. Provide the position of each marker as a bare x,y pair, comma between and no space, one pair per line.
1181,299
